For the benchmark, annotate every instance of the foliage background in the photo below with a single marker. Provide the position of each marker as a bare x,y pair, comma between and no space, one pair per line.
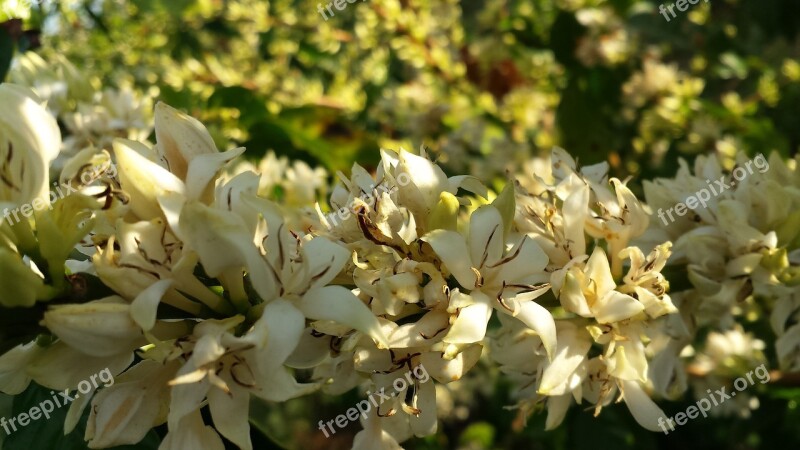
482,84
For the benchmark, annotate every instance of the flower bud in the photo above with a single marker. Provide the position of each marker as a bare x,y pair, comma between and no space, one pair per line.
180,139
99,328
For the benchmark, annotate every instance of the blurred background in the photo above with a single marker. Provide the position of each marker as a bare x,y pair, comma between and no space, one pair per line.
482,85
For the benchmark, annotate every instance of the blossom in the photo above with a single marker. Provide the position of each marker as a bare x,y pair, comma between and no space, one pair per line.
499,278
29,142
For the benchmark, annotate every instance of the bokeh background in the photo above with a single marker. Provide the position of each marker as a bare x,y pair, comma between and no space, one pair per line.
482,85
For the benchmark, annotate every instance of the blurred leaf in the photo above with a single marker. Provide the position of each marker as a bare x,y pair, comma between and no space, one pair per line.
480,435
7,46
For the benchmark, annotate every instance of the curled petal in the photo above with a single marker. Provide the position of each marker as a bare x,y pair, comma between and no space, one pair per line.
539,319
340,305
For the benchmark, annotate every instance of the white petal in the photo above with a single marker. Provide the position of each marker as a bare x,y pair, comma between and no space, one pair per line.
557,407
340,305
186,397
575,211
451,247
426,177
616,306
145,306
277,332
485,236
470,324
203,170
75,411
13,377
572,297
448,370
653,305
280,386
373,437
538,319
124,413
599,271
643,409
96,328
573,345
61,367
629,361
142,179
428,329
192,433
231,414
326,260
425,424
31,140
529,259
181,138
310,352
223,242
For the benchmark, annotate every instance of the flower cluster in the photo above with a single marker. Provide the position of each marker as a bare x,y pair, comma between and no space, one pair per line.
220,294
740,254
224,281
585,223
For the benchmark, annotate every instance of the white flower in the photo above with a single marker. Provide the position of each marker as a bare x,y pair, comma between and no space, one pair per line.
499,278
137,402
226,370
29,141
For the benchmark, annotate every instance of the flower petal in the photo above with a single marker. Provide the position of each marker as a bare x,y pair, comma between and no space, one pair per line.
326,260
643,409
191,432
539,319
485,236
181,138
340,305
142,179
471,321
203,170
616,306
145,306
100,328
451,247
573,346
599,271
231,412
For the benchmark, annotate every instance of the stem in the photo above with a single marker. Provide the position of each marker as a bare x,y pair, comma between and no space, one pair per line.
26,240
233,280
256,312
